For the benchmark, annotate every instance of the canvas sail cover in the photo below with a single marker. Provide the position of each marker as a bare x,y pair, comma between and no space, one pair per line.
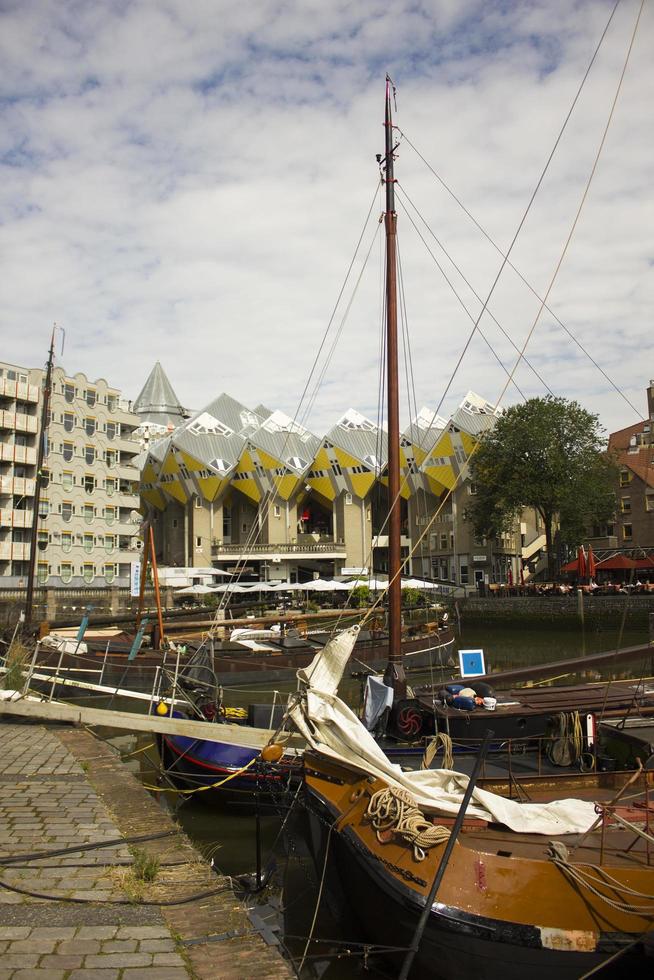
330,727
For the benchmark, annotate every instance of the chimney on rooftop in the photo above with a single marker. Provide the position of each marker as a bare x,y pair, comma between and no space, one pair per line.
650,400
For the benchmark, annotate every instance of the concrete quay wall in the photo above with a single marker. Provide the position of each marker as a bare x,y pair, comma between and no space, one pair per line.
557,609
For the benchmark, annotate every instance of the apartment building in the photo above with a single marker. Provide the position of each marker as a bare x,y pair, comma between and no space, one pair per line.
88,511
19,422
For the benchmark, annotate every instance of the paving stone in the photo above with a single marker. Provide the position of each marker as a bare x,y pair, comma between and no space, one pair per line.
161,973
14,932
32,945
39,974
157,946
57,962
143,932
167,959
19,961
97,932
78,947
118,960
123,946
53,932
94,975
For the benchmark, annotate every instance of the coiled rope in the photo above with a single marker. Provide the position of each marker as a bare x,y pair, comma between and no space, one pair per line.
589,876
396,810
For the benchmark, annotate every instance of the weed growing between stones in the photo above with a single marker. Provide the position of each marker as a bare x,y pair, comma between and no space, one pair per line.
16,661
144,866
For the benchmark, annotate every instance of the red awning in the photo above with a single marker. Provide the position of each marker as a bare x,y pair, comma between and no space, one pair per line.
616,563
645,562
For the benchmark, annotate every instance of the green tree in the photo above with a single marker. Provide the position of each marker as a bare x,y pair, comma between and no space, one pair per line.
549,454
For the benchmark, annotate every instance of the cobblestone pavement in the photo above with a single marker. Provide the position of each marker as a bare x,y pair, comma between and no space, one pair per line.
68,927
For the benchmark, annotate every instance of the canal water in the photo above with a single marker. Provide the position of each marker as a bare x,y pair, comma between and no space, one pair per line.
228,834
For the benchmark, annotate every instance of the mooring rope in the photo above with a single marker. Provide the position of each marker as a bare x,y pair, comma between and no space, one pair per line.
395,809
589,875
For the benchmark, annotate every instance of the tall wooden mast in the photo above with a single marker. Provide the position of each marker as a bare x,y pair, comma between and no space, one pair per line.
40,454
395,663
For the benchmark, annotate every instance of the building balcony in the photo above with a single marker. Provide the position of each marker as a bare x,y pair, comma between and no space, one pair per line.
381,541
18,422
304,549
9,453
17,485
15,518
19,390
14,552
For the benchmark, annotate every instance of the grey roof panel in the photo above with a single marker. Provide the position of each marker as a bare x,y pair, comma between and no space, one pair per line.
157,402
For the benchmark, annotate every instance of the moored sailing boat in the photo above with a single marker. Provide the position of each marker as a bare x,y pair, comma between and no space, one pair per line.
564,886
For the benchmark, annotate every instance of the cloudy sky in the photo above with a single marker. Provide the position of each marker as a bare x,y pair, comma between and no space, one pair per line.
187,181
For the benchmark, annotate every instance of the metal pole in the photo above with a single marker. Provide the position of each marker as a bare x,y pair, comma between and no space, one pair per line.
157,593
47,388
396,666
442,867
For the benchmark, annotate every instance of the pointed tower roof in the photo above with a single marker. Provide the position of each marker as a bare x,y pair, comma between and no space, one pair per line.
157,403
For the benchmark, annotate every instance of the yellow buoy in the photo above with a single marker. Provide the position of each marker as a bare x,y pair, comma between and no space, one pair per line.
272,753
162,709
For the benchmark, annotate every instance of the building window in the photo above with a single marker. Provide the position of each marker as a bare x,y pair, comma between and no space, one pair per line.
198,541
66,541
89,426
43,570
69,392
88,513
67,480
89,541
277,511
443,542
112,402
625,505
89,454
66,571
464,574
111,458
649,501
88,572
109,573
111,430
110,514
625,478
110,486
91,397
109,542
42,539
69,421
44,507
174,523
627,532
348,498
89,483
67,451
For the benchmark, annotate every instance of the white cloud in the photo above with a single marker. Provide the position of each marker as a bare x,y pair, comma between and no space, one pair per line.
186,182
